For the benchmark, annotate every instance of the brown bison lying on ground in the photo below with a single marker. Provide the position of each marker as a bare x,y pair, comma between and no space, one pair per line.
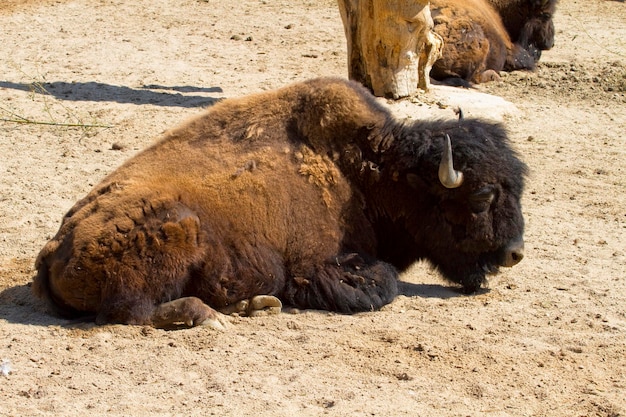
477,45
312,194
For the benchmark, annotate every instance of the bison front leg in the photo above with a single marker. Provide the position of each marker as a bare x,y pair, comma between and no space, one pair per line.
346,284
190,311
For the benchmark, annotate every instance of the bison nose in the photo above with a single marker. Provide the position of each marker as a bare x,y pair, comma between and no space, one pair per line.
514,253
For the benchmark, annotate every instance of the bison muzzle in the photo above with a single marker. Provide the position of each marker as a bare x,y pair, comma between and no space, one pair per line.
312,195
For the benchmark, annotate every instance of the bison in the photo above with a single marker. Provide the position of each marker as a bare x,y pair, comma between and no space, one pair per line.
528,23
313,195
477,45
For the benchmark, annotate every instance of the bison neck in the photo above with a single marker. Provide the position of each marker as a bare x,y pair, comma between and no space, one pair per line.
396,245
397,226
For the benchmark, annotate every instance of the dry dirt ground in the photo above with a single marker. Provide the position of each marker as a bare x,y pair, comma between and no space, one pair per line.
548,338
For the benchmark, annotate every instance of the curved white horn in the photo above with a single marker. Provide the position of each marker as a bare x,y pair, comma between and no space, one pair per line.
447,175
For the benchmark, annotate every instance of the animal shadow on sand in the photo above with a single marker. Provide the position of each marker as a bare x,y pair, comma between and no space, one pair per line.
443,292
19,306
157,95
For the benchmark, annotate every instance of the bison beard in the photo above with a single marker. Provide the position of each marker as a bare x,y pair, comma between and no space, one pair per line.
314,195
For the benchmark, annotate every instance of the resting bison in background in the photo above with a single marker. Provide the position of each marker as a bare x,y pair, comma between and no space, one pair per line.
313,194
528,23
477,45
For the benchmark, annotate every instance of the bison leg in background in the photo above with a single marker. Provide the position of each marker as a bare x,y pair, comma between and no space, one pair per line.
346,284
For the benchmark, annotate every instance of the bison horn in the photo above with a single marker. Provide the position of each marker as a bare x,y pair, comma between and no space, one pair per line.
447,175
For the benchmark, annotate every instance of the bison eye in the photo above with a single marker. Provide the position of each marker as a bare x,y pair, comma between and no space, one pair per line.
481,200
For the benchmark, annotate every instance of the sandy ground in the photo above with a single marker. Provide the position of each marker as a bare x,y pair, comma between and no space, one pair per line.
548,338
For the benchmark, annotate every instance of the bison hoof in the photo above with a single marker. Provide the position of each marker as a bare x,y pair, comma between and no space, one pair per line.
263,305
218,321
489,76
260,305
187,311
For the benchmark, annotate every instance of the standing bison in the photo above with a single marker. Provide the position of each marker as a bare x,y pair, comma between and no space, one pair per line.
313,195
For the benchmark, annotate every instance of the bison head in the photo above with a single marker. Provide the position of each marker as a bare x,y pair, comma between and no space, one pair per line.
537,34
460,204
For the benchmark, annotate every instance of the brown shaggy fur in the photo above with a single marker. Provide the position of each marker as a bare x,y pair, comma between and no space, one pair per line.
312,193
166,215
476,44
